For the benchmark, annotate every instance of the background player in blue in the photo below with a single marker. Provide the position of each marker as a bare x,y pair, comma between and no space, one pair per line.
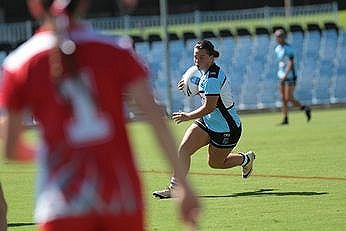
287,76
218,124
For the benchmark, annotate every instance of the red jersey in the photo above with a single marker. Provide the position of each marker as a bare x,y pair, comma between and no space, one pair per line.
86,164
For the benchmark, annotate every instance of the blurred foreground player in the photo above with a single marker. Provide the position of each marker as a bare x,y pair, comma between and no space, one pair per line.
73,81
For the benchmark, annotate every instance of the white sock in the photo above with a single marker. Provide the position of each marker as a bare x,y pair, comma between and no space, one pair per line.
173,182
246,159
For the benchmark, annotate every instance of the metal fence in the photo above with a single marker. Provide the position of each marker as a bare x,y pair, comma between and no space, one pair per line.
131,22
16,32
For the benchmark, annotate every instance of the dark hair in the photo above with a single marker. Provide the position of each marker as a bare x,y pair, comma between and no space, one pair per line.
280,33
208,46
70,7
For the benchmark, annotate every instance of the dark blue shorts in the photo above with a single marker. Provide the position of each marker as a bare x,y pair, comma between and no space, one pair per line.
221,139
290,81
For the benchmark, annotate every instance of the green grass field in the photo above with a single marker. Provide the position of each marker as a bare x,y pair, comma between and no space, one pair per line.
299,181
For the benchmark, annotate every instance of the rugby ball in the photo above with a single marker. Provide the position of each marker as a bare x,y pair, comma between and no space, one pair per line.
191,80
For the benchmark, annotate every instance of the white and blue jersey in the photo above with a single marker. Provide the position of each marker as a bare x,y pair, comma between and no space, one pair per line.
284,53
225,117
223,124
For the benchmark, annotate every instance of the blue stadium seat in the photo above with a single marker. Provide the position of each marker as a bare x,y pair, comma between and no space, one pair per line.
227,44
159,90
303,91
329,44
296,39
176,53
268,96
330,34
268,100
216,42
176,48
249,95
306,75
341,70
236,91
225,64
190,43
321,91
186,61
312,41
340,90
261,45
2,56
142,49
309,63
241,55
326,68
237,75
157,48
177,96
342,38
257,64
341,50
192,103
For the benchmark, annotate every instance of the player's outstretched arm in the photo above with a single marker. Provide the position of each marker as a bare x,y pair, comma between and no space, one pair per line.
141,92
208,106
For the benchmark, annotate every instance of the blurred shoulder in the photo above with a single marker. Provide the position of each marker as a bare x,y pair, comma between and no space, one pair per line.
288,48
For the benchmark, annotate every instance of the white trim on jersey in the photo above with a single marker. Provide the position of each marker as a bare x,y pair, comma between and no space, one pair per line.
37,44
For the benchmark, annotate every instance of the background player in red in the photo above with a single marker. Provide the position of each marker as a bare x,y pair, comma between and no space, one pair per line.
73,81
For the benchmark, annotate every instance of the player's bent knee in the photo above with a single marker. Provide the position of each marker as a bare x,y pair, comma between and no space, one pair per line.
183,152
214,164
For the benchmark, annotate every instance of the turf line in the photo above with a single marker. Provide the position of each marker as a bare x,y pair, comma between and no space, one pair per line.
213,174
255,175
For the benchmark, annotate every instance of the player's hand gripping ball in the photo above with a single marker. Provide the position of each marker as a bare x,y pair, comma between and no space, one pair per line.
190,81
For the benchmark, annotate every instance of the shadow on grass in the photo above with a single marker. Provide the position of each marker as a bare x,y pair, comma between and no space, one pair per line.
267,192
20,224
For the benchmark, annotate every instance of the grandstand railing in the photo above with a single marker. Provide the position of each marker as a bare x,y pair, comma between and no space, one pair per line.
15,32
130,22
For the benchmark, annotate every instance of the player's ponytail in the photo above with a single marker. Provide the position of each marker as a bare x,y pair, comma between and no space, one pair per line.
62,59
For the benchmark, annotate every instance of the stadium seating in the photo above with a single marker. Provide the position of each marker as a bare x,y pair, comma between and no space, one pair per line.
248,58
250,62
